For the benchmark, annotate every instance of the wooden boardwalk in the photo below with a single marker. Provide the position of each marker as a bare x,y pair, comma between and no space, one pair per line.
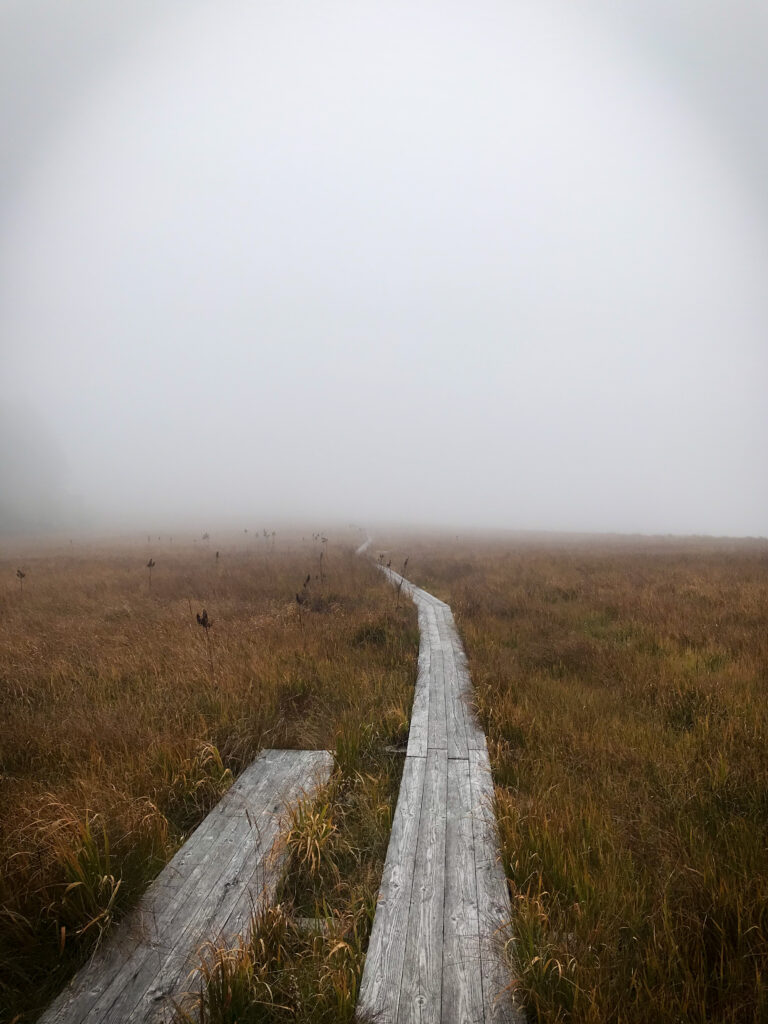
434,955
207,892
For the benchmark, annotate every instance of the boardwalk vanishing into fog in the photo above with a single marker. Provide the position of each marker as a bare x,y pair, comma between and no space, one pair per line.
443,914
230,863
435,951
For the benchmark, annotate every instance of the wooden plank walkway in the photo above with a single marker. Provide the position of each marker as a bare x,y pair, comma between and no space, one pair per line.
207,892
443,915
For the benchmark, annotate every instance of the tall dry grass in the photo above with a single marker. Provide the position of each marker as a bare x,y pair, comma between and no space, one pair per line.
623,686
121,728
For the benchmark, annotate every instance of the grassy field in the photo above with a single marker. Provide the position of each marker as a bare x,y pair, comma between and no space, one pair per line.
124,720
623,688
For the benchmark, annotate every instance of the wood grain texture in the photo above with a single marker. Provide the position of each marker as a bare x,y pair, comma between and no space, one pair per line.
438,725
421,986
455,710
145,964
436,950
418,731
218,892
381,981
144,935
462,998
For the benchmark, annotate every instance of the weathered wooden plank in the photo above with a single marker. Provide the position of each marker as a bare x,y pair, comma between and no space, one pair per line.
475,737
247,787
419,728
494,910
382,975
455,712
131,979
457,675
221,894
218,888
438,726
398,581
148,923
245,880
421,987
466,952
261,889
461,684
462,990
261,884
418,731
434,629
426,597
444,619
168,925
408,588
153,982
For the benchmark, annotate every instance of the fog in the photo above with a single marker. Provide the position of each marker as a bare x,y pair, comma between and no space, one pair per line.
484,264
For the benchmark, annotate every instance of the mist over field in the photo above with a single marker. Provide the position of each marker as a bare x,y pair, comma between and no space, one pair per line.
478,264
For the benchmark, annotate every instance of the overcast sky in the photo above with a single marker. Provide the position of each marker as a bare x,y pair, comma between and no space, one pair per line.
463,263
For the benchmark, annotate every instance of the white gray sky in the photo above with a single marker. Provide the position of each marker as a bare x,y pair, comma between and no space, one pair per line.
488,263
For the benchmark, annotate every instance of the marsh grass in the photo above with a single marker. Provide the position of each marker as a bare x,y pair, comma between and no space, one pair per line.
284,973
622,686
116,740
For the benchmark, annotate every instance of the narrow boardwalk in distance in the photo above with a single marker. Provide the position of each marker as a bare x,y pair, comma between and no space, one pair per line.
434,955
207,892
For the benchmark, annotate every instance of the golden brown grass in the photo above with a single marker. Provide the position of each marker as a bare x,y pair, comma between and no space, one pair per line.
623,687
121,728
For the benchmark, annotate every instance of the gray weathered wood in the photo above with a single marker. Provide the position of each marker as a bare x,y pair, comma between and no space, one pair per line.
473,735
418,731
380,985
455,710
145,963
437,946
220,889
144,932
421,987
462,998
438,726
